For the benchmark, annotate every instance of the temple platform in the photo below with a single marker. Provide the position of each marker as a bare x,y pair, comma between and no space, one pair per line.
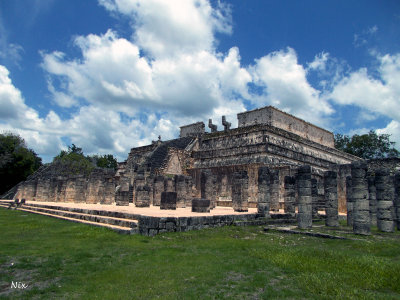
146,220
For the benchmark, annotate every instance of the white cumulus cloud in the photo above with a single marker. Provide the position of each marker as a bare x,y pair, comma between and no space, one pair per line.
169,28
378,94
123,92
393,129
286,86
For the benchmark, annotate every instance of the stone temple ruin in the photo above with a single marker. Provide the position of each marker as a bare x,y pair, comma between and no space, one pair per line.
273,161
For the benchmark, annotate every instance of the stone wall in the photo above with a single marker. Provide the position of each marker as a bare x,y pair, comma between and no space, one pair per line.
56,183
192,129
277,118
267,145
391,164
154,225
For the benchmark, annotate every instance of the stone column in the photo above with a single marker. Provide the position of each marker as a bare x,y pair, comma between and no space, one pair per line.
372,199
169,185
142,196
122,192
384,197
304,216
93,187
108,187
168,200
70,189
121,197
331,198
61,188
397,199
240,182
314,196
150,183
80,189
264,198
158,188
349,201
180,188
52,190
189,194
361,218
139,181
200,205
274,189
290,195
30,189
208,186
321,196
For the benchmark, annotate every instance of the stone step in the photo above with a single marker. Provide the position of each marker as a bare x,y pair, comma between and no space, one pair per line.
121,225
6,204
124,222
105,213
119,229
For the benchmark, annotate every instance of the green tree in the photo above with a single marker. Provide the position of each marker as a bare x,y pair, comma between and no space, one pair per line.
105,161
17,161
76,162
367,146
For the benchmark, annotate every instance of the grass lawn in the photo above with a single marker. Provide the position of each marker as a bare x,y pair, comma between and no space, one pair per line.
63,260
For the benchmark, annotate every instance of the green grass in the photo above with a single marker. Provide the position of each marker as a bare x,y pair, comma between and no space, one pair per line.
64,260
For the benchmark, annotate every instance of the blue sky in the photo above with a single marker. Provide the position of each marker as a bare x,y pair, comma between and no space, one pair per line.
109,75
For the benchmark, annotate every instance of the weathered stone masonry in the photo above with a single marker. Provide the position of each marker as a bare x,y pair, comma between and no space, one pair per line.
206,166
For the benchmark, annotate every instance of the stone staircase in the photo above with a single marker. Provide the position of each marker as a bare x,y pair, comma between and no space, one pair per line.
120,222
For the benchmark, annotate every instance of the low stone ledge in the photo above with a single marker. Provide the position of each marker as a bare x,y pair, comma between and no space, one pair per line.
151,226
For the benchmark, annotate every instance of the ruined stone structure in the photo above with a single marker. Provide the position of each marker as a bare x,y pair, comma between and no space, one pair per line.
211,166
69,183
279,119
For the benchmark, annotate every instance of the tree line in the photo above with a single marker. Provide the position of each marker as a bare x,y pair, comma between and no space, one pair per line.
367,146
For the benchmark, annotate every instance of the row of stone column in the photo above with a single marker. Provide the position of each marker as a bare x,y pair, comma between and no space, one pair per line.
307,195
307,192
148,191
268,189
372,199
98,187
